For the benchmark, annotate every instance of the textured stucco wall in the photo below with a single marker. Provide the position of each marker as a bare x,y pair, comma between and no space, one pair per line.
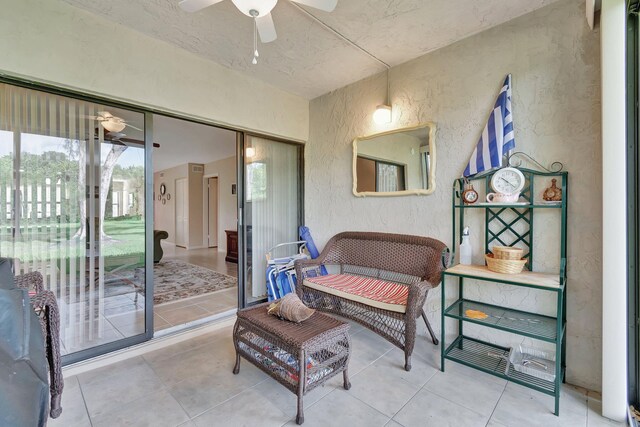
554,59
52,41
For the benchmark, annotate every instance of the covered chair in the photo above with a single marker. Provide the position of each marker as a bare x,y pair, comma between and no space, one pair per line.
158,235
23,366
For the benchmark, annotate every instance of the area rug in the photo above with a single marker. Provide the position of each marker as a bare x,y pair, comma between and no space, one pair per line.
176,280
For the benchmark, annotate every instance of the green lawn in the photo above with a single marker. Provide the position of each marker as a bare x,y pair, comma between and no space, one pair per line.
51,241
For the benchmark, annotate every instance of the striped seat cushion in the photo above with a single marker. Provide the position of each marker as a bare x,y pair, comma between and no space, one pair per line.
373,292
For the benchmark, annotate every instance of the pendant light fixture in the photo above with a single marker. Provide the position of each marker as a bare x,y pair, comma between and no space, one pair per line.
382,115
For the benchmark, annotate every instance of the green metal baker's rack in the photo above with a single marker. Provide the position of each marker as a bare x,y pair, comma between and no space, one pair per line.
508,225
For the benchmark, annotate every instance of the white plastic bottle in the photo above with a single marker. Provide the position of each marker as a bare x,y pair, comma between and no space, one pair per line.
466,253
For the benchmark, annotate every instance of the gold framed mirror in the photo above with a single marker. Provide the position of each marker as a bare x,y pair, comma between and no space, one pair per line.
399,162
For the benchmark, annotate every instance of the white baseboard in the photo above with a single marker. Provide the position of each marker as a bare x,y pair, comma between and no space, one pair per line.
161,339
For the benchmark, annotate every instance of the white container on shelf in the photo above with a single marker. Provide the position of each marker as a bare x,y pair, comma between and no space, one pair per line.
466,252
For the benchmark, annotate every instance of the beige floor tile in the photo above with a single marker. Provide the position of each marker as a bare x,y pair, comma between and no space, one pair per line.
154,410
195,363
198,394
89,334
287,401
130,318
367,348
107,389
523,407
74,411
595,418
216,306
476,394
164,353
184,314
174,305
159,323
339,408
249,408
428,409
386,386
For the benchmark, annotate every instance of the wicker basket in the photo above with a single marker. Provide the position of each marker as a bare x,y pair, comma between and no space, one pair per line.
507,252
505,266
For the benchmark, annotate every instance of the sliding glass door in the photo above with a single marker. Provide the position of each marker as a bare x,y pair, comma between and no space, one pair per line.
270,208
72,207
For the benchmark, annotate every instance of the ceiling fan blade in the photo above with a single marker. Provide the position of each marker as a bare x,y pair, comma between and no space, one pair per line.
196,5
266,29
133,127
326,5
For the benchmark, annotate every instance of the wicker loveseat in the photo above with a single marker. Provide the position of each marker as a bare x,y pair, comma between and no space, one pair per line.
379,280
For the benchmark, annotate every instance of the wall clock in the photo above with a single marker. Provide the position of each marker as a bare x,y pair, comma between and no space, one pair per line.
507,181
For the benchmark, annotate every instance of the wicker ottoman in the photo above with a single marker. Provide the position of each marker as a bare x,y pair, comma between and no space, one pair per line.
299,356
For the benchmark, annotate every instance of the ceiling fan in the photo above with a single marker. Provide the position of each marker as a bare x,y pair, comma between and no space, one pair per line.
111,122
260,11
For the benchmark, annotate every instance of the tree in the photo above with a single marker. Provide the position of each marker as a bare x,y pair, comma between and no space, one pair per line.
105,182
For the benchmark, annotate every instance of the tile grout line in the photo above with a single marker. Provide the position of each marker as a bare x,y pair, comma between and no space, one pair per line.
86,408
497,403
412,397
226,400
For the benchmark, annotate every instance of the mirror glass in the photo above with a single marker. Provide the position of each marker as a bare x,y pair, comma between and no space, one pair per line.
395,163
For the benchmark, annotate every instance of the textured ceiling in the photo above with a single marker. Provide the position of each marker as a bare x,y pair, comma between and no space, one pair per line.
306,59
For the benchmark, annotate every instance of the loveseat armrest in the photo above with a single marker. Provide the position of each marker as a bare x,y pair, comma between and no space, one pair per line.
30,281
307,268
417,296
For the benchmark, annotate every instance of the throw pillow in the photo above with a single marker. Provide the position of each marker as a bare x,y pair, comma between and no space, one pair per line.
291,308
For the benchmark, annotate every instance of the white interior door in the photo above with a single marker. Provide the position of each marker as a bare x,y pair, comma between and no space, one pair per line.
182,212
213,212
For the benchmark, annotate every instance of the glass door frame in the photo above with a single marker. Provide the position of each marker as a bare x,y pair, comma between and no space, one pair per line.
633,200
148,112
148,160
242,211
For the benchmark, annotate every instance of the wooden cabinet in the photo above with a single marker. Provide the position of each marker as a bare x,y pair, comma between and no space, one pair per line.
232,246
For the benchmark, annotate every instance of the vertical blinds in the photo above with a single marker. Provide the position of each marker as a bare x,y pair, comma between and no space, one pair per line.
272,191
52,152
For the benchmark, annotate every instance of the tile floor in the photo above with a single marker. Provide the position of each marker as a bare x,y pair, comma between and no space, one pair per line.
123,315
190,384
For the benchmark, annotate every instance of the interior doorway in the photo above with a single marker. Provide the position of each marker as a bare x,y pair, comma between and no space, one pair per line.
194,169
182,212
212,211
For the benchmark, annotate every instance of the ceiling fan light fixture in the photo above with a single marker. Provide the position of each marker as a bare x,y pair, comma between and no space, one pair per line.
263,7
113,125
382,114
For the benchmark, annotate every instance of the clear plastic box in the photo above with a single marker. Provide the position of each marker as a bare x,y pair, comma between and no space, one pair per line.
537,363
